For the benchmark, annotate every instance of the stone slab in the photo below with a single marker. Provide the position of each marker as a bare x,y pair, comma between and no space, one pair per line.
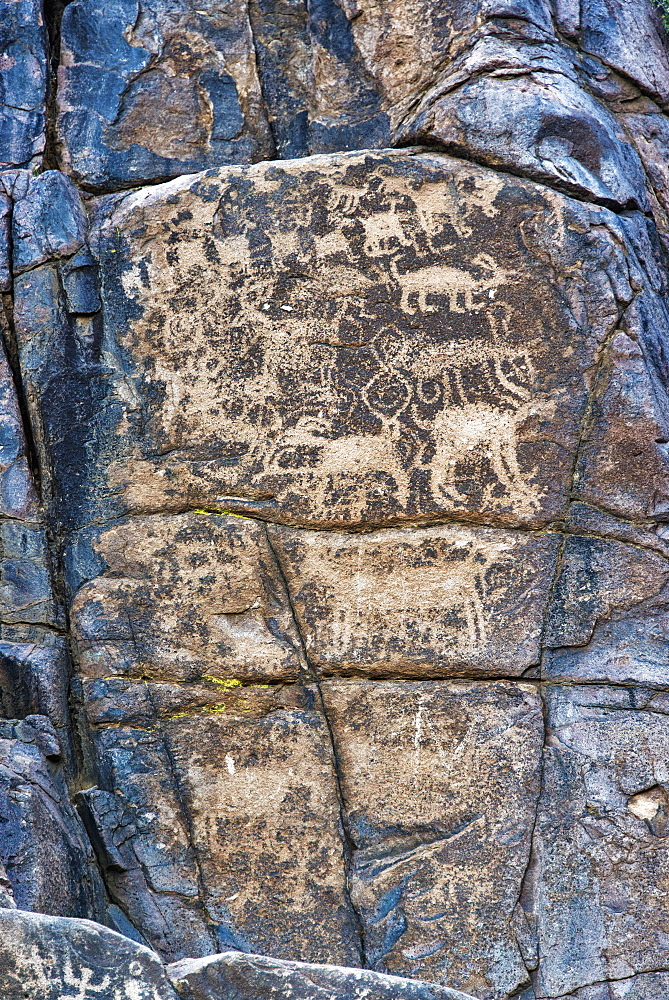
419,602
265,817
221,829
181,598
439,784
274,343
256,977
600,876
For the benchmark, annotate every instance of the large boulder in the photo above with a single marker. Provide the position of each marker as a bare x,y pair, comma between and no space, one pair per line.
53,958
362,339
255,977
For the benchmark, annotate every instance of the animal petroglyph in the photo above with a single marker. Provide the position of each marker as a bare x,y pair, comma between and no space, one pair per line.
340,353
459,286
475,420
397,598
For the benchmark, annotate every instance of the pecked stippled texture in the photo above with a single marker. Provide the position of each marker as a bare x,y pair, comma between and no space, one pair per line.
334,488
279,360
357,340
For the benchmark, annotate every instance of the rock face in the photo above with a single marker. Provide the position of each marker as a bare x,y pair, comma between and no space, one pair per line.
49,958
398,380
439,807
45,854
23,87
334,489
255,977
53,958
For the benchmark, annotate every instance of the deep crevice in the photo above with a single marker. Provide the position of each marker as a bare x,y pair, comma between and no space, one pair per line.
53,16
527,891
348,845
10,342
188,825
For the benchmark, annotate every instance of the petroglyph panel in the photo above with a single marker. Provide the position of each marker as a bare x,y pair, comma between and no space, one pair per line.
348,339
181,598
262,799
222,830
440,783
419,601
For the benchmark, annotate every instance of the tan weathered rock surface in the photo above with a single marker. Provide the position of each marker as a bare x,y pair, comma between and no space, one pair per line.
439,788
182,598
419,601
232,834
347,363
378,342
344,480
266,827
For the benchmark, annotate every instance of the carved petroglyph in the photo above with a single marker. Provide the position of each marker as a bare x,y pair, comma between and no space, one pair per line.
457,285
317,340
418,601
